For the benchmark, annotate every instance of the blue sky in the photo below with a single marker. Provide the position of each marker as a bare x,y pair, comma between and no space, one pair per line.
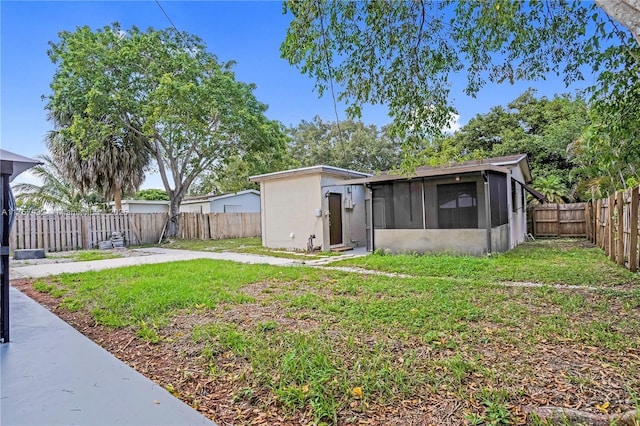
246,31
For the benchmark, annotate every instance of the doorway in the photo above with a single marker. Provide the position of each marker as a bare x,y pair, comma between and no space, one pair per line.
335,218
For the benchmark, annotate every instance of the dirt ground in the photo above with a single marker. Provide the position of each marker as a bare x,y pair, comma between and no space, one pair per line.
175,364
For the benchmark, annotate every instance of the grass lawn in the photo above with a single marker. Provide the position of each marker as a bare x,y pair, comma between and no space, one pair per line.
242,245
449,345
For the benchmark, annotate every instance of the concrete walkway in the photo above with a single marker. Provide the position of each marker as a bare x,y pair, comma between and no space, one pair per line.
158,255
50,374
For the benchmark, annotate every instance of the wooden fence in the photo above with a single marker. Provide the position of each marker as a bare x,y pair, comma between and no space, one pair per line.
63,232
613,226
218,226
558,220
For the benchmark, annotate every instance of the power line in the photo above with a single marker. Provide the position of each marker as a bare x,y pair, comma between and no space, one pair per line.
330,75
168,18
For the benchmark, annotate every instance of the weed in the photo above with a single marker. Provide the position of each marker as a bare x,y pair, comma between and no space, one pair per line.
148,333
52,289
267,326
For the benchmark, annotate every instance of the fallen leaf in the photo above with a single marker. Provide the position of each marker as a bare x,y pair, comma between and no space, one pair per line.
357,392
604,407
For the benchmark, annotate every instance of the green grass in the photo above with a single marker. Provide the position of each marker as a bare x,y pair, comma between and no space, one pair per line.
310,336
232,244
548,262
242,245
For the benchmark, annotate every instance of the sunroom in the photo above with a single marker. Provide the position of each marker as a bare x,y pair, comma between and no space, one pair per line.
476,207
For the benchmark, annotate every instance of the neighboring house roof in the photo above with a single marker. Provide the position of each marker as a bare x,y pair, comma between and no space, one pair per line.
209,198
131,201
496,164
335,171
233,194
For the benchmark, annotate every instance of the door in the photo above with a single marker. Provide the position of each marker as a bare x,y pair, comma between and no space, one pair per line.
335,219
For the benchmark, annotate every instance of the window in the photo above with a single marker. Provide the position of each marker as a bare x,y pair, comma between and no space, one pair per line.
398,205
498,194
458,205
407,205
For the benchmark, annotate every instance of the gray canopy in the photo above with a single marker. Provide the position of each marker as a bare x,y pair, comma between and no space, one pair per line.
20,163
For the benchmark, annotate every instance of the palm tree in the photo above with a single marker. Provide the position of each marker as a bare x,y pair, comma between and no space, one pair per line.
56,192
552,188
111,165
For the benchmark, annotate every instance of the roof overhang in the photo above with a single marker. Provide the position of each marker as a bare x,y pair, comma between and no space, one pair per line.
537,195
436,172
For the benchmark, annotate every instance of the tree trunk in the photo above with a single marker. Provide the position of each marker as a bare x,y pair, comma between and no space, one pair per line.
173,229
117,198
626,12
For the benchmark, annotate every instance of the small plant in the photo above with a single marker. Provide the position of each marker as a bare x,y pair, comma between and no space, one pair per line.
150,334
497,413
267,326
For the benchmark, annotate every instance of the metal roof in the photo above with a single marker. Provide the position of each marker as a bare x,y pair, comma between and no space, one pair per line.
496,164
336,171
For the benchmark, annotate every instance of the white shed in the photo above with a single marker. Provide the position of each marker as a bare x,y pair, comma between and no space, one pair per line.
144,206
306,203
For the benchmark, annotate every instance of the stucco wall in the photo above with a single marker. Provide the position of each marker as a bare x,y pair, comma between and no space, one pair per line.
353,212
199,207
289,211
519,216
468,241
240,203
500,238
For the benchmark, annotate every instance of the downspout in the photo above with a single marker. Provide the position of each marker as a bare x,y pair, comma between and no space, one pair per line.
487,209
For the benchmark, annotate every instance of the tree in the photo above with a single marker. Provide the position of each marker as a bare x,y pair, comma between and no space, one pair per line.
151,195
403,54
113,166
542,128
163,86
552,188
348,144
56,191
232,173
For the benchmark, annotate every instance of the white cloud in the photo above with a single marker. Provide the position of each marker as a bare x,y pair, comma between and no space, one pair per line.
27,177
454,124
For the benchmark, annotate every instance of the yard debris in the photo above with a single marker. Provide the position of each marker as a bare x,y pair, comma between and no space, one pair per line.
563,416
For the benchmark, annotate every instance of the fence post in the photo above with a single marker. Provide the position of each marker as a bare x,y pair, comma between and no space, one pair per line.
620,229
633,232
612,216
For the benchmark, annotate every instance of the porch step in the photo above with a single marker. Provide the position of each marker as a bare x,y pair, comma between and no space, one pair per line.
26,254
341,249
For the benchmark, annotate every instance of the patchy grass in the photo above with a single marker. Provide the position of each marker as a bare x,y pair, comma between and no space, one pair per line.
233,244
545,261
243,245
318,345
